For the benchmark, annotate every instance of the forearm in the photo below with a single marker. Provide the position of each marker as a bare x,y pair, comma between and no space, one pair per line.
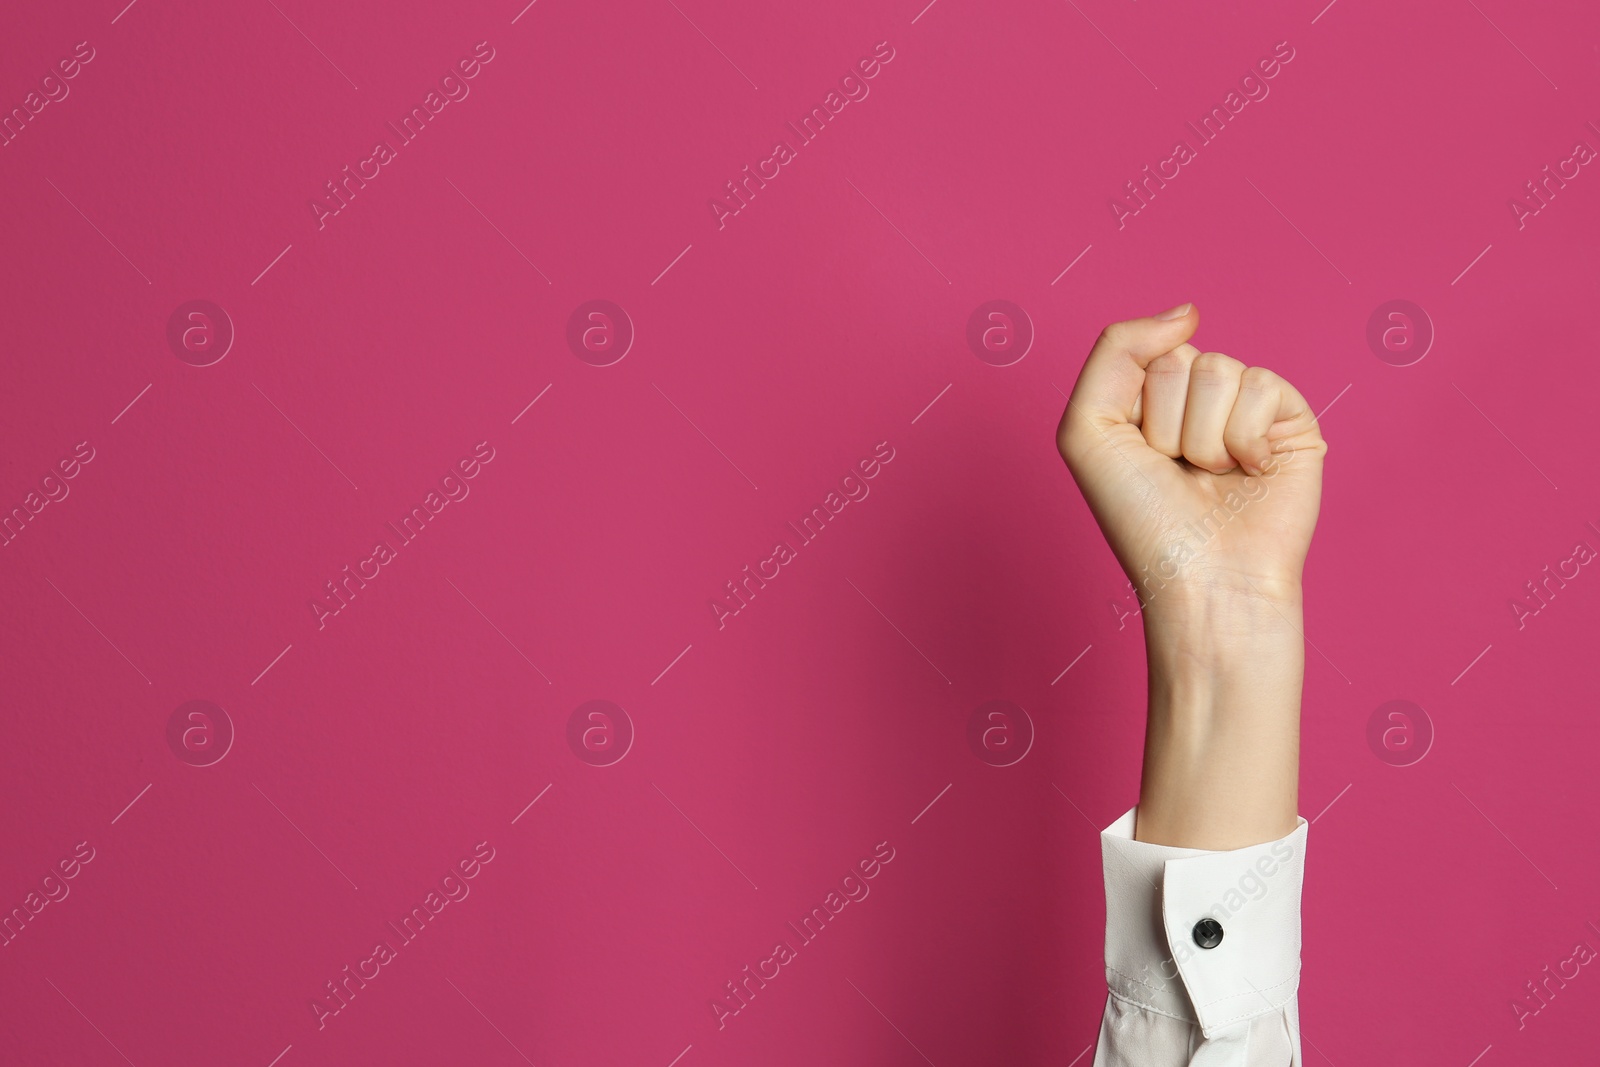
1222,740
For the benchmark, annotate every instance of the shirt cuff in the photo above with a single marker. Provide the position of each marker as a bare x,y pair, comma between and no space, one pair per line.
1157,894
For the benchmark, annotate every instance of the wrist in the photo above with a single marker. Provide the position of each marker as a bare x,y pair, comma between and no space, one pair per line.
1214,630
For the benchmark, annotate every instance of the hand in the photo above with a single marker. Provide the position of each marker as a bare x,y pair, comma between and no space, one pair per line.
1206,477
1204,474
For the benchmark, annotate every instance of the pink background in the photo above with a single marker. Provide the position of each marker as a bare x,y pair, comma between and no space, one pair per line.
771,355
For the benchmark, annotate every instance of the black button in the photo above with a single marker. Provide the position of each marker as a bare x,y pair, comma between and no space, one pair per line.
1208,933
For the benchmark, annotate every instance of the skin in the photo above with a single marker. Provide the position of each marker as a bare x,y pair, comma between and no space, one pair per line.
1205,476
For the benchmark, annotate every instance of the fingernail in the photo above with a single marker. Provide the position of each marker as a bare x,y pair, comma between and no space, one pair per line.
1176,313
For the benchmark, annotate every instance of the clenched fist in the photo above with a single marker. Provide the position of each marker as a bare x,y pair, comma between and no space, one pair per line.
1205,476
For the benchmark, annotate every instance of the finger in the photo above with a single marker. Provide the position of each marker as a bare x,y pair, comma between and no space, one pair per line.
1166,393
1113,375
1213,386
1265,401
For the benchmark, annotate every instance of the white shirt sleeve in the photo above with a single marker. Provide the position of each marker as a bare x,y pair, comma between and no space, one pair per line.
1172,1002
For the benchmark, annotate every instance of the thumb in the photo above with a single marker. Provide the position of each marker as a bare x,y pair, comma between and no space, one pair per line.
1113,376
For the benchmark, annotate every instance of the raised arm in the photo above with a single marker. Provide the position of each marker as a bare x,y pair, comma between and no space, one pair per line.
1205,476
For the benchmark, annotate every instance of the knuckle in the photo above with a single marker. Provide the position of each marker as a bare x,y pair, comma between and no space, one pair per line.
1214,366
1113,335
1171,365
1258,379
